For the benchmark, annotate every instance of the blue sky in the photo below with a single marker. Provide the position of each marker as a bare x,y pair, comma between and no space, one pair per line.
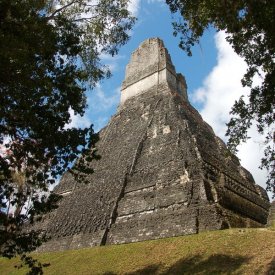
212,74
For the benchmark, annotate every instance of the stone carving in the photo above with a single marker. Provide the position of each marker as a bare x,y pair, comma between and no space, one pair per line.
163,172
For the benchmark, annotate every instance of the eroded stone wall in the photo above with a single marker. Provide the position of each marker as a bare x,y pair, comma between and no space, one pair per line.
162,171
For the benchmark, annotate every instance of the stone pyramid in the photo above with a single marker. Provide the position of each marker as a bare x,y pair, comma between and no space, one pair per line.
162,172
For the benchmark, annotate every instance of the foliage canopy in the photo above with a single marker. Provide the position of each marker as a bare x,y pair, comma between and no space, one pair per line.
50,55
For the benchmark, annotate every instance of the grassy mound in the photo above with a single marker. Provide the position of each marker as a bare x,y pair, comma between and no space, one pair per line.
233,251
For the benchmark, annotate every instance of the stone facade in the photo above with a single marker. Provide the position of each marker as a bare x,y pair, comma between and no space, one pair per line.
162,171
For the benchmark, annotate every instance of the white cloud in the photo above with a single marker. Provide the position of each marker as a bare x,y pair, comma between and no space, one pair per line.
110,61
101,101
78,121
251,153
133,7
217,95
221,87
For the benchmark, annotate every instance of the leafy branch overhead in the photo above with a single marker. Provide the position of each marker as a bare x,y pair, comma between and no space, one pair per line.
50,54
250,29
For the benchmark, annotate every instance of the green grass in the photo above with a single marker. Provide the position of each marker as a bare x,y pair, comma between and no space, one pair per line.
233,251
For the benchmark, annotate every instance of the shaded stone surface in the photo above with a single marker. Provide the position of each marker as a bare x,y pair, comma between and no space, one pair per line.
163,172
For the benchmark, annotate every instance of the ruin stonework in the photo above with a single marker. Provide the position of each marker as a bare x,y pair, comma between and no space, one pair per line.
162,171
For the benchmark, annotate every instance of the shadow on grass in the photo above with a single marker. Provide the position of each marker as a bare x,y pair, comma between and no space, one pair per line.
271,268
215,264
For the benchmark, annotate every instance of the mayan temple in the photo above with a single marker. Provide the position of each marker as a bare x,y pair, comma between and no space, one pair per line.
163,172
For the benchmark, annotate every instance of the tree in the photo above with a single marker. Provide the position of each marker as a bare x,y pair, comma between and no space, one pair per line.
50,55
250,29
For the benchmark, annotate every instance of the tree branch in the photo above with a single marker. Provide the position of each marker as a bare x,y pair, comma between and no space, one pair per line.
60,9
